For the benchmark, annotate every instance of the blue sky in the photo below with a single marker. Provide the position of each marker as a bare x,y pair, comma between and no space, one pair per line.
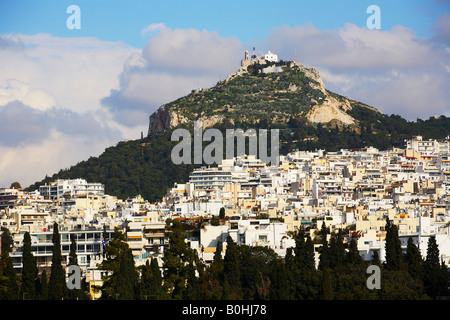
66,95
119,20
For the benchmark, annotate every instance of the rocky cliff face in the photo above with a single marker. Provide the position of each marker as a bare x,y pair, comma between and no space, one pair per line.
162,119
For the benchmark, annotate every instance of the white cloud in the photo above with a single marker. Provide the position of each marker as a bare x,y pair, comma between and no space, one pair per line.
50,92
152,29
14,89
75,72
30,163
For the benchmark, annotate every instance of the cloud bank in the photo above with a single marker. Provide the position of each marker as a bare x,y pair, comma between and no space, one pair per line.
172,63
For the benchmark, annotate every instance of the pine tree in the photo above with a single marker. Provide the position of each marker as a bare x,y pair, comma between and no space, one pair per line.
57,287
29,270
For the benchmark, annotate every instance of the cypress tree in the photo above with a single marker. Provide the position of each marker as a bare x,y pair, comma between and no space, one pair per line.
393,247
310,260
12,286
127,280
299,249
327,287
306,280
7,240
353,257
337,252
279,281
156,279
218,253
151,281
44,286
57,287
174,262
414,260
29,270
192,291
434,282
73,259
376,258
76,294
213,277
325,259
291,272
231,270
144,285
122,279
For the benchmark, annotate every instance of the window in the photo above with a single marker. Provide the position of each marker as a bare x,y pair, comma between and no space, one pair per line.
263,238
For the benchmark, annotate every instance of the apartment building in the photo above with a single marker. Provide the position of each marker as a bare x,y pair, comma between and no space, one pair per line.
70,187
90,242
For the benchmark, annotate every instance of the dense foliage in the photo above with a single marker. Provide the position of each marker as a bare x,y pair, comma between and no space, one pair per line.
258,273
249,273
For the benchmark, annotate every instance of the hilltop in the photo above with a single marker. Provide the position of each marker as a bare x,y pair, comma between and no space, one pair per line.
262,95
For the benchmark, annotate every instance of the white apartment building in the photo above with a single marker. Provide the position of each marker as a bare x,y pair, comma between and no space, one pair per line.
209,178
70,187
89,247
428,149
251,232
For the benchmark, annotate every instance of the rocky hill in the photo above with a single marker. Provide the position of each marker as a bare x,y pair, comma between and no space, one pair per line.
261,93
